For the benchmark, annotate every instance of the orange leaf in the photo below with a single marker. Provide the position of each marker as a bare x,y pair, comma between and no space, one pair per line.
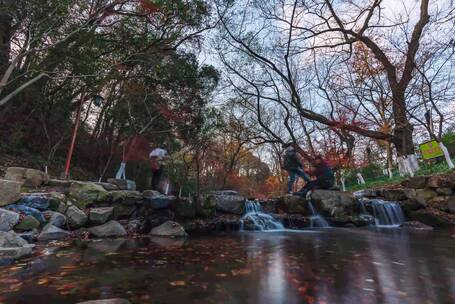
178,283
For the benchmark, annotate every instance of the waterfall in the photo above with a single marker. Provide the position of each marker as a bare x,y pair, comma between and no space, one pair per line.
385,213
316,219
261,220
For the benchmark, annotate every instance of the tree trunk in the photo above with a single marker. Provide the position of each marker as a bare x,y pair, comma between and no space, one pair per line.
402,136
198,181
5,41
389,159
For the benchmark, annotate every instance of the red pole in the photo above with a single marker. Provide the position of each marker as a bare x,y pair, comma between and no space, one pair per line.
73,141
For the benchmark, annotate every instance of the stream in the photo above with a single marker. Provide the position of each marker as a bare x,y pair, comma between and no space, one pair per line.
368,265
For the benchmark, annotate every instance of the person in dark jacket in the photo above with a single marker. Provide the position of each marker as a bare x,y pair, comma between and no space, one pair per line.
293,165
325,179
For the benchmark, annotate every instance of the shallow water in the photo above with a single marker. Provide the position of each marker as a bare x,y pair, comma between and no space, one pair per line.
318,266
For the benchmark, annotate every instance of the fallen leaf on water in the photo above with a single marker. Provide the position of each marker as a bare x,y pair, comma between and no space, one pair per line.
221,275
177,283
43,281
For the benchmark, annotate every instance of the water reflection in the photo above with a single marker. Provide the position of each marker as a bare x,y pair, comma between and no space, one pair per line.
326,266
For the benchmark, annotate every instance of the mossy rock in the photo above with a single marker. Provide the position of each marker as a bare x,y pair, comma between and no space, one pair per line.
86,194
27,223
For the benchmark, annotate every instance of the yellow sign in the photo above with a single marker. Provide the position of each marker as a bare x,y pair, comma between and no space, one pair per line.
431,149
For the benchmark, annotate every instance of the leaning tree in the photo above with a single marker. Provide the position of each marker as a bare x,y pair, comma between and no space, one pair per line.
279,39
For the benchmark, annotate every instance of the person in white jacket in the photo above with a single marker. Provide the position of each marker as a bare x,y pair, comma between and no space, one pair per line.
158,157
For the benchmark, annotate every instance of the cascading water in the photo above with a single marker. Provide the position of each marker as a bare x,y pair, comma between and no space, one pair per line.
385,213
260,220
317,220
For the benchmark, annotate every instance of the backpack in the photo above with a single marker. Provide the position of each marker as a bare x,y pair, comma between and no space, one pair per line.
290,160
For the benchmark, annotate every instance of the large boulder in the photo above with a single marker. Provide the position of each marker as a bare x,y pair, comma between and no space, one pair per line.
108,186
228,203
183,208
10,192
398,194
433,217
122,211
416,182
29,177
207,207
43,201
86,194
333,203
60,183
158,217
123,184
110,229
11,239
27,211
415,225
156,200
51,232
293,204
55,218
101,215
444,191
76,217
425,195
169,229
411,205
27,223
441,181
35,200
8,219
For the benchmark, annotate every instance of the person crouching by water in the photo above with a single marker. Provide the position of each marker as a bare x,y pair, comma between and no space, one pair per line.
158,157
293,165
325,179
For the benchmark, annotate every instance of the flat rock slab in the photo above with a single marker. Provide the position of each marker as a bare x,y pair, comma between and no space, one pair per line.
107,301
108,186
16,252
160,201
